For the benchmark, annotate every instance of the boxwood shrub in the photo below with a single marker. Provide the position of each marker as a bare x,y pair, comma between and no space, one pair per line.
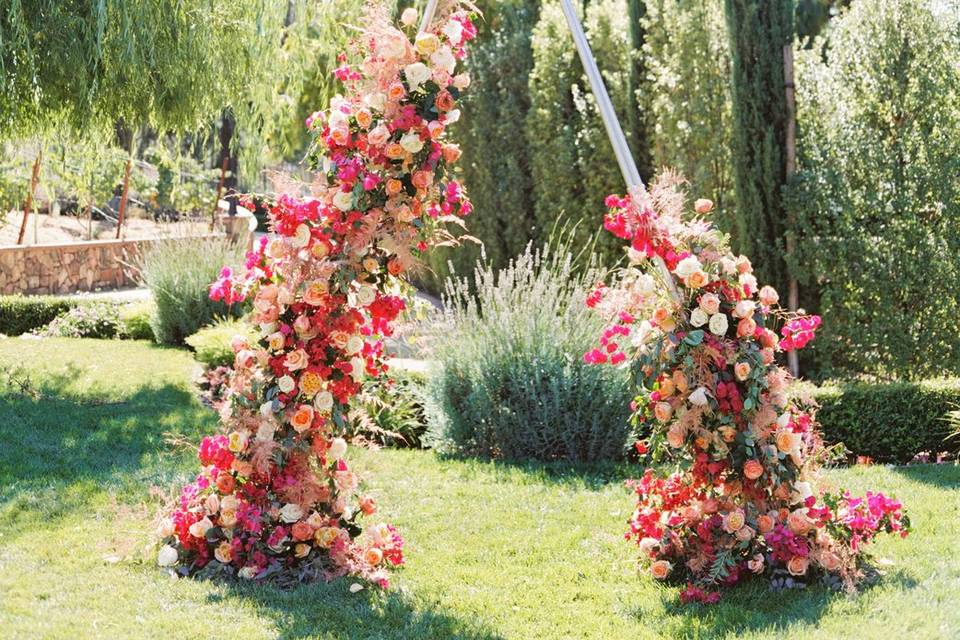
890,422
20,314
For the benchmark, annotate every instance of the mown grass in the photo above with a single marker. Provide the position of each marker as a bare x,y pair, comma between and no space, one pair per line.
494,550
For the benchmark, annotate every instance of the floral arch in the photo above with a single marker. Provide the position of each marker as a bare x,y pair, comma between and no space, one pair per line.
276,497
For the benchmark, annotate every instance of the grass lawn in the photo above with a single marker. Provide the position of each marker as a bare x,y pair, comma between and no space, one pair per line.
494,550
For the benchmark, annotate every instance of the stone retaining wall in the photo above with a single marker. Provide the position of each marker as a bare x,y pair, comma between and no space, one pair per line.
67,268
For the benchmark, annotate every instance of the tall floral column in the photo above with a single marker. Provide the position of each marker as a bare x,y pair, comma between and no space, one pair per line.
276,496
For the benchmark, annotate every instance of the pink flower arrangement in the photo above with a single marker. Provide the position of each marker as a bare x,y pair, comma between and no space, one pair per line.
710,394
275,496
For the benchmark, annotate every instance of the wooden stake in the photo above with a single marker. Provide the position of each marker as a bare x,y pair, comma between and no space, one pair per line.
28,204
223,178
123,196
790,144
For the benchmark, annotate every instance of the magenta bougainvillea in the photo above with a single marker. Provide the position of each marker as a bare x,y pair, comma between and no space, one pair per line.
275,495
745,496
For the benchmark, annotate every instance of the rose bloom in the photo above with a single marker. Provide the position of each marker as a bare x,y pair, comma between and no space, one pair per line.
315,293
769,296
378,136
339,339
710,505
688,266
302,531
676,435
787,440
745,534
373,556
663,319
697,280
364,119
168,556
799,522
765,523
666,388
408,17
212,504
368,506
296,360
663,411
744,309
310,383
395,152
699,317
743,264
275,341
755,564
427,43
710,303
226,483
746,327
451,153
227,518
223,552
703,205
728,433
719,324
445,101
323,401
238,441
733,521
325,536
680,381
660,569
302,419
798,565
301,550
243,467
338,448
752,469
741,370
199,528
648,546
829,561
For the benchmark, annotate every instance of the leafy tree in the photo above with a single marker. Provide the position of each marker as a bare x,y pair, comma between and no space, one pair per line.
878,193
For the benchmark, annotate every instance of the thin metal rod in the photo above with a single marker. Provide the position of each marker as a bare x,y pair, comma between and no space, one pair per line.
628,167
428,14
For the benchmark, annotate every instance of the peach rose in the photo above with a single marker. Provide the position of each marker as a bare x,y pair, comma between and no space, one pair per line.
666,388
368,506
302,418
743,264
741,370
301,550
769,296
364,118
752,469
661,569
227,518
798,522
396,91
664,320
746,328
223,552
703,205
733,521
663,411
394,151
315,293
697,280
451,153
765,523
787,440
296,360
373,556
829,561
676,435
710,303
199,528
745,534
680,381
798,565
422,179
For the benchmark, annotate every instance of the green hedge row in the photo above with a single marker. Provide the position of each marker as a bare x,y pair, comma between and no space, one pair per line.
889,422
20,314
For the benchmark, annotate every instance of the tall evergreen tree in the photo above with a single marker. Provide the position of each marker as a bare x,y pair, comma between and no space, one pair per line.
758,31
637,122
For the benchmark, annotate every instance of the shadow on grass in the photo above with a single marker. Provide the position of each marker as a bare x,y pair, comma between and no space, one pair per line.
331,611
61,449
588,475
942,476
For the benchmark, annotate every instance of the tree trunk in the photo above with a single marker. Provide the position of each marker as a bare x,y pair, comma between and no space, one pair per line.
790,151
28,204
90,220
123,196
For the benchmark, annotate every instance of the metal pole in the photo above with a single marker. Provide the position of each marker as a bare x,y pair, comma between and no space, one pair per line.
428,14
612,124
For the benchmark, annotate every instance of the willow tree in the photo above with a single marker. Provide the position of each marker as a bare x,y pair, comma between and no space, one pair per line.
758,31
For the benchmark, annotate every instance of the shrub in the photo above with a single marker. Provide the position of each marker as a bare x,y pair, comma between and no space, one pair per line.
21,314
179,274
212,344
889,422
134,320
390,412
511,381
88,320
878,195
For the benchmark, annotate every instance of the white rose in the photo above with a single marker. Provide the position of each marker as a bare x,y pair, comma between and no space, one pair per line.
461,81
728,265
699,317
323,401
286,384
291,512
409,17
699,397
451,116
354,345
376,101
416,73
343,200
359,368
688,266
783,420
165,528
454,31
168,556
338,448
744,309
366,295
641,333
302,237
646,284
394,45
801,491
719,324
411,142
443,58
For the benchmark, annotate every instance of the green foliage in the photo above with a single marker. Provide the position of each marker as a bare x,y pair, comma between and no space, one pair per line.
179,274
390,412
878,195
496,160
512,382
758,31
572,162
688,55
134,319
96,319
22,314
212,344
889,422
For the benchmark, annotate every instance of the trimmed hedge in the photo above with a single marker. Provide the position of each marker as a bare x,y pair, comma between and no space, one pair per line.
20,314
889,422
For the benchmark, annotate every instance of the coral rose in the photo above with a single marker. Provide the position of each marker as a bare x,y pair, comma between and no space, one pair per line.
373,556
226,483
798,565
302,531
765,523
752,469
660,569
302,418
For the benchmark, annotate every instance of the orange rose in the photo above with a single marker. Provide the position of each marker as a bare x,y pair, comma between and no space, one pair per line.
364,118
664,320
676,435
367,505
394,187
396,91
451,153
422,179
302,418
752,469
394,151
786,440
445,101
798,565
226,483
373,556
302,531
394,267
660,569
316,293
666,388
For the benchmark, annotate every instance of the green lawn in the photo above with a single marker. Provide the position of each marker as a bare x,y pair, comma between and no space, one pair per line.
494,551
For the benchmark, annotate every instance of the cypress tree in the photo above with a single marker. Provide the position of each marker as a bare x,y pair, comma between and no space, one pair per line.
637,123
758,31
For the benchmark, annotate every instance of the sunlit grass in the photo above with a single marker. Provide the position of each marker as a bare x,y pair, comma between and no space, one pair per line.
494,550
